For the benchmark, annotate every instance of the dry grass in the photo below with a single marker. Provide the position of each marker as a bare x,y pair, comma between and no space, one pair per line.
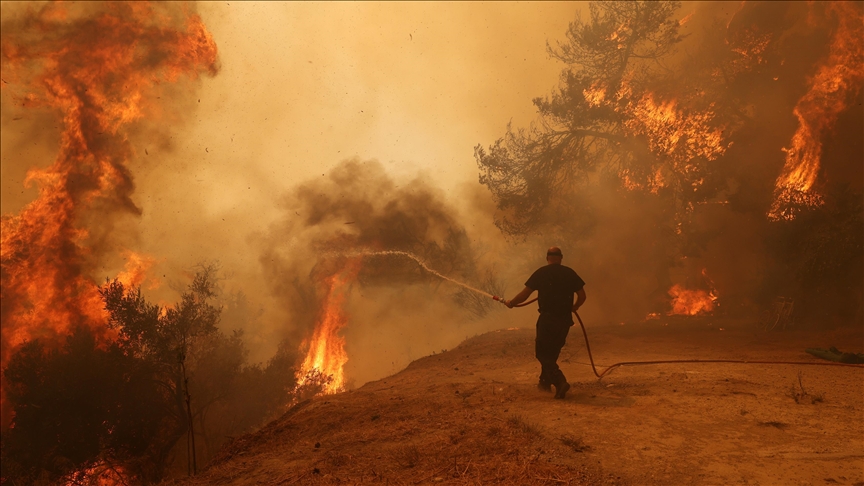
800,395
407,457
525,427
574,443
413,428
446,438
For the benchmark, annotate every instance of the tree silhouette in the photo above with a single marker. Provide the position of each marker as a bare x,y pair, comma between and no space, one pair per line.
582,127
77,406
86,409
165,338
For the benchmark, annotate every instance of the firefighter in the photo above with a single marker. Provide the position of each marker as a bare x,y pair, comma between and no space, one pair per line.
556,285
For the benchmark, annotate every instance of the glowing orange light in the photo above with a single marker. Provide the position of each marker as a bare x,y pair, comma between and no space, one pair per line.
691,302
326,354
595,95
686,18
100,474
95,73
841,73
135,272
674,134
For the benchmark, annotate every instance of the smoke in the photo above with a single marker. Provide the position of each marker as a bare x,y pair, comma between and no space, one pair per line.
209,163
205,165
397,310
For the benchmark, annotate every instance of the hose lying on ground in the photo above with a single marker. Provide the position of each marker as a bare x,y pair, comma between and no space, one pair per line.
672,361
740,361
593,367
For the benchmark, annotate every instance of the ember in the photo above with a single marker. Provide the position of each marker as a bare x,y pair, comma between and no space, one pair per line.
101,474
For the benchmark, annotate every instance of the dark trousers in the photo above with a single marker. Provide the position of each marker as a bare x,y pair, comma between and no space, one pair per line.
551,335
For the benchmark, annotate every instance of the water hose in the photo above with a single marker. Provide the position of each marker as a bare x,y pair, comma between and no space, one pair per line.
585,334
673,361
670,361
523,304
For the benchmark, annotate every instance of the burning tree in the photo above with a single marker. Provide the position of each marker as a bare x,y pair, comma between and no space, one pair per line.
321,370
692,142
97,67
590,123
839,74
76,406
124,408
165,338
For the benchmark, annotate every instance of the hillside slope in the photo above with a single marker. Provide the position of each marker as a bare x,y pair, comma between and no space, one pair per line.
473,415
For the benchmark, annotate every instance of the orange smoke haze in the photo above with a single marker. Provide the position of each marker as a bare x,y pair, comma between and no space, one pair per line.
386,72
306,86
328,175
97,68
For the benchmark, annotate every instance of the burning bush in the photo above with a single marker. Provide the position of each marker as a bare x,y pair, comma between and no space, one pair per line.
129,404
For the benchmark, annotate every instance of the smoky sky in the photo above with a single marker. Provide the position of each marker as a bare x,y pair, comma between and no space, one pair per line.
271,166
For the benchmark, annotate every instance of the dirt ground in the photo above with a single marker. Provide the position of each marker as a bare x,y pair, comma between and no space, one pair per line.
473,415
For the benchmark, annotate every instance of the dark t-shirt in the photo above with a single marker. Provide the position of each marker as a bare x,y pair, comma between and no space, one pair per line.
555,286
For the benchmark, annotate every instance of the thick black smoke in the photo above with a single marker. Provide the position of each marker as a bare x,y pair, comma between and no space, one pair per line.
357,207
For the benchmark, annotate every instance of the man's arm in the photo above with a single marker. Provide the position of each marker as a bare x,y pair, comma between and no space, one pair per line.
520,297
580,299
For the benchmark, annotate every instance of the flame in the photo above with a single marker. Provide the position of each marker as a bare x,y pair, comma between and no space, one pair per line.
677,136
750,47
100,474
838,76
673,133
135,272
595,95
96,73
326,355
691,302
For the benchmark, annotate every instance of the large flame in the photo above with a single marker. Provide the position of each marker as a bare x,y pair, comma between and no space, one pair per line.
326,356
692,302
674,134
95,71
839,75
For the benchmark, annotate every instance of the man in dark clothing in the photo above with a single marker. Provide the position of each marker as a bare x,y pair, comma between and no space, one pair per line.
555,285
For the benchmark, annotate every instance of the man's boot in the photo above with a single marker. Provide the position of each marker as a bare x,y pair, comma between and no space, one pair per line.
561,389
544,386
